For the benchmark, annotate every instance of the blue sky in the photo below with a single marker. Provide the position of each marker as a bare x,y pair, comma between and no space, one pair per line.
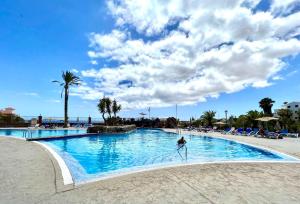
39,39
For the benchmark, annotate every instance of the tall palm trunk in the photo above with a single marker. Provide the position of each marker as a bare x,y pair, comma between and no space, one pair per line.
104,118
66,107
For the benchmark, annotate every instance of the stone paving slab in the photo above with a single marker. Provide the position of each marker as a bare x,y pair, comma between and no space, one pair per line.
26,172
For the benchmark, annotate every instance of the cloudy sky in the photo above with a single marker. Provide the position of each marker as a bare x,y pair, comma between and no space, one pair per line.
225,55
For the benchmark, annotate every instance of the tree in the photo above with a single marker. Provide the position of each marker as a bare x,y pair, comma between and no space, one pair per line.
241,121
115,107
108,104
7,120
69,79
298,115
285,117
102,108
251,117
171,122
266,104
208,117
231,120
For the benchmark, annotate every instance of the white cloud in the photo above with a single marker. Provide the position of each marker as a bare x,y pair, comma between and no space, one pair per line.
277,77
110,41
74,71
217,48
283,7
86,92
53,101
94,62
292,73
31,94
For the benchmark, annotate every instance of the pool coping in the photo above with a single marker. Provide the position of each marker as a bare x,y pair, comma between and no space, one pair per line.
62,136
68,179
153,168
65,171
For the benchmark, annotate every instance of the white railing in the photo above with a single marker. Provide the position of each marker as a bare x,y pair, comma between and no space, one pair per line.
28,133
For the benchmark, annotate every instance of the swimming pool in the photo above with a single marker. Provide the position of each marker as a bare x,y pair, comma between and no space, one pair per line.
40,133
103,155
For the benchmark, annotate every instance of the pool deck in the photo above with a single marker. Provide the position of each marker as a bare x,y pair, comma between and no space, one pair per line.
29,174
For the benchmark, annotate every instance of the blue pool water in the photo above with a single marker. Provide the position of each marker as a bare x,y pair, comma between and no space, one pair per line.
40,133
96,156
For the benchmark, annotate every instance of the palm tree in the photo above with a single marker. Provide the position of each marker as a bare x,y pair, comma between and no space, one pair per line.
102,108
115,108
251,116
241,121
266,104
285,117
208,117
69,79
108,104
232,120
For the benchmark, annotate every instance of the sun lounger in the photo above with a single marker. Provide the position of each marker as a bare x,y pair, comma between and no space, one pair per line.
229,130
226,130
284,132
248,131
254,132
293,135
239,131
272,135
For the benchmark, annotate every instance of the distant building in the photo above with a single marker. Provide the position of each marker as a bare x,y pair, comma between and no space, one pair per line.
293,107
7,111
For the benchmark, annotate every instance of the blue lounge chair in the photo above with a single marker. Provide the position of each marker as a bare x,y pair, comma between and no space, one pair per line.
248,131
226,131
272,135
254,132
284,132
231,131
240,131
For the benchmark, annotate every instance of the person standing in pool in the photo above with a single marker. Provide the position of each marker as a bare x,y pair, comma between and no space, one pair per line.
181,142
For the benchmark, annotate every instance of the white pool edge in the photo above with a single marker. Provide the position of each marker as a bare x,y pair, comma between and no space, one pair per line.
128,172
66,174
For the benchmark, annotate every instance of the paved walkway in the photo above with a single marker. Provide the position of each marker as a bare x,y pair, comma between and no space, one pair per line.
28,174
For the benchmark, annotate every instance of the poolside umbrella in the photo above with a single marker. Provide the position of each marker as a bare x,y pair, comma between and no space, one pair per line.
220,123
266,119
143,114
